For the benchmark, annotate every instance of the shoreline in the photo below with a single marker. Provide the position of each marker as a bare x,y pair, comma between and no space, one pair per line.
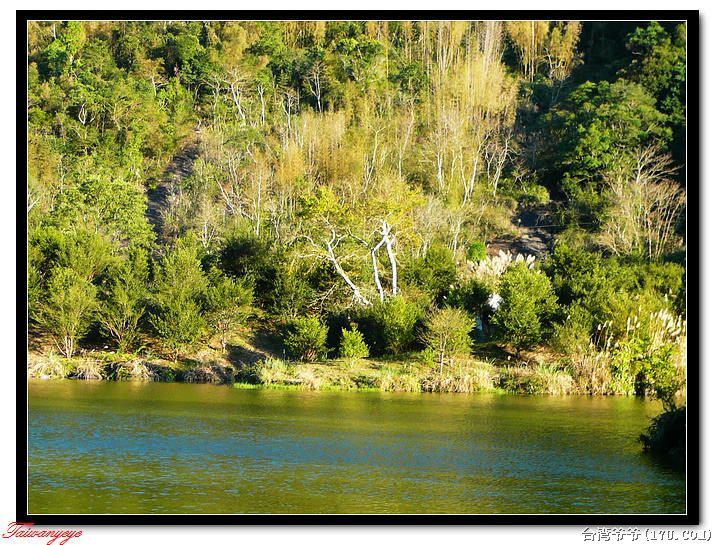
408,373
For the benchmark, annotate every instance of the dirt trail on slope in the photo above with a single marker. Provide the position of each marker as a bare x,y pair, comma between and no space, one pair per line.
535,233
160,196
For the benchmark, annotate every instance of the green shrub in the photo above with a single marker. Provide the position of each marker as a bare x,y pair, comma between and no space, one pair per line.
573,335
645,362
666,436
227,303
527,306
246,256
123,302
534,194
306,338
389,327
471,296
477,251
68,311
435,273
179,287
447,333
352,345
659,376
179,323
291,293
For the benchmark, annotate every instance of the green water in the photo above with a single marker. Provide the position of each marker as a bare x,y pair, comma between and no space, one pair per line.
187,448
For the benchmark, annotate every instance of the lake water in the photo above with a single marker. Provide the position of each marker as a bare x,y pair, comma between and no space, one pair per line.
107,447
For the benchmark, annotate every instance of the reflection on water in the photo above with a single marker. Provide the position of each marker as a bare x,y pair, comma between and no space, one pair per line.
187,448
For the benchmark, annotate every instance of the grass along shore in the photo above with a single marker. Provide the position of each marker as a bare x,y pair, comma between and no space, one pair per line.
535,373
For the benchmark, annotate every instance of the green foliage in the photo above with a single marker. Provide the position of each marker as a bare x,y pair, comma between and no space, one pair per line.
85,252
584,278
471,296
572,336
247,256
178,290
527,306
305,338
477,251
34,291
534,194
435,273
642,368
659,374
292,292
598,125
353,345
666,436
115,206
390,326
447,333
67,313
62,52
658,63
123,300
227,303
313,137
179,324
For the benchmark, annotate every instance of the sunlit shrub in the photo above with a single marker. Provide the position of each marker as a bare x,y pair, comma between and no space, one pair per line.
477,252
352,345
527,306
447,333
305,338
390,326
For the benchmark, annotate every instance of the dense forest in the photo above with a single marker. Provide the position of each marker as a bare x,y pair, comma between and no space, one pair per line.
418,205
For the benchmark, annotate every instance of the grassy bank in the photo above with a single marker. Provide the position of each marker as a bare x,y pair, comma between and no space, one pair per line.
408,373
128,367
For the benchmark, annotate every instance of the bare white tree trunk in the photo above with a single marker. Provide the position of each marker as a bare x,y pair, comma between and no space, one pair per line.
389,241
261,95
375,271
330,246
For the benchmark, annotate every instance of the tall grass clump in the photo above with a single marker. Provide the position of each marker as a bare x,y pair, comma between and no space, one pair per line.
90,370
389,380
139,370
49,367
309,379
591,364
275,371
549,379
462,379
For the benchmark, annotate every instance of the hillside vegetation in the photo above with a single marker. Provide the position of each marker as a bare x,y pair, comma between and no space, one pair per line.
502,197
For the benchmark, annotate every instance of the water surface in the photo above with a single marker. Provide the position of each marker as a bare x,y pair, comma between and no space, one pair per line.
108,447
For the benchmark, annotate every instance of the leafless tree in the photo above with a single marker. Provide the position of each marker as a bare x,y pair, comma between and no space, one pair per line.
326,249
644,205
314,78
